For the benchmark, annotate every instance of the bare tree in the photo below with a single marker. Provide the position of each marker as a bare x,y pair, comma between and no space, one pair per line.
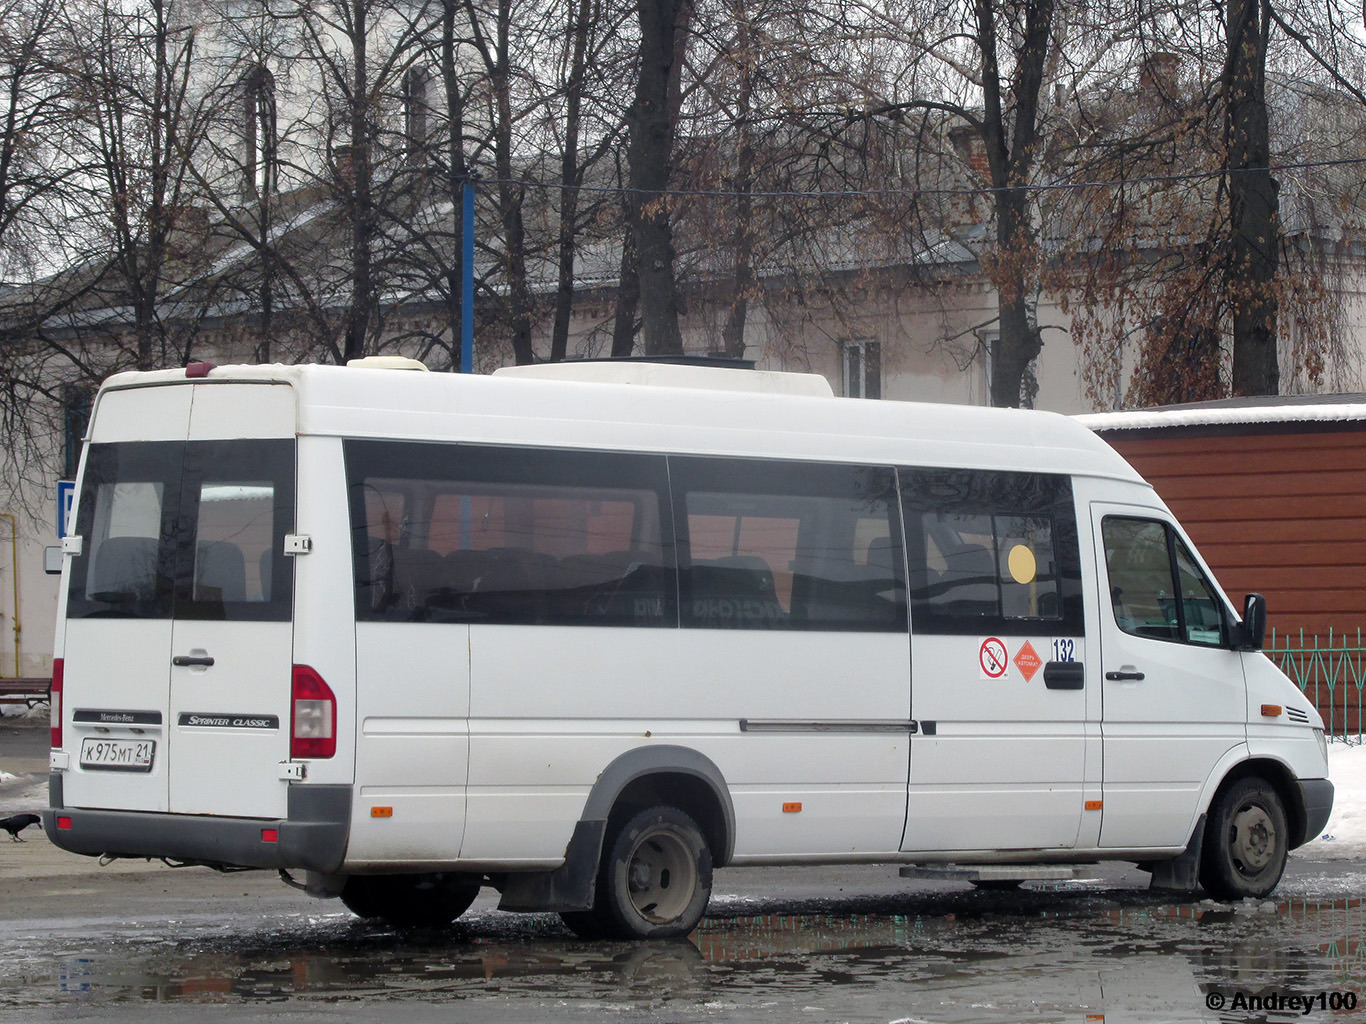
1253,203
982,66
586,62
663,26
136,130
1189,258
34,117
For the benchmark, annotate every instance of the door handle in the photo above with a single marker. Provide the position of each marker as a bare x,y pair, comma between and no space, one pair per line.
187,660
1116,677
1064,675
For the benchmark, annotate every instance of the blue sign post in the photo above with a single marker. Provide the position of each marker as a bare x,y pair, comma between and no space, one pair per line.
66,498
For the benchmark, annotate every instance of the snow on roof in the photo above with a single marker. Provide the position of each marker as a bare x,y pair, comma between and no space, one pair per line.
1258,411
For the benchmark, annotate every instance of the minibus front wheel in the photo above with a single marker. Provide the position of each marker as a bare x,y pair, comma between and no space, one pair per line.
654,881
1246,841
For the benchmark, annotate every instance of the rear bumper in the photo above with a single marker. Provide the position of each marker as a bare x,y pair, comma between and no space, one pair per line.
312,837
1316,796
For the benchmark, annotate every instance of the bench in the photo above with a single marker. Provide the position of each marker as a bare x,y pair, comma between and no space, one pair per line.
30,692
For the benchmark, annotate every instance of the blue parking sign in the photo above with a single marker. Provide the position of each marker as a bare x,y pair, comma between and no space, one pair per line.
66,497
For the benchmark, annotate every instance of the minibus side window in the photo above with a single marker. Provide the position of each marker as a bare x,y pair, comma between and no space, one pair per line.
466,533
992,552
774,545
1157,589
1202,615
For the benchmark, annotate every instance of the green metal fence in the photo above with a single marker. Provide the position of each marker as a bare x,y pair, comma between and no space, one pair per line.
1331,671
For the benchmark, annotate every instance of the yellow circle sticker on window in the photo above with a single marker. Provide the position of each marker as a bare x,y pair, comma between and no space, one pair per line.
1022,564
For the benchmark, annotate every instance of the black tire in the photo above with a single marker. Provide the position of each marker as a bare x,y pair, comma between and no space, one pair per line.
655,879
362,896
586,924
411,901
1246,841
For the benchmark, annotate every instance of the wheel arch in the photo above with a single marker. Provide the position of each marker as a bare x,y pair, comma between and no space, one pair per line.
638,778
1279,777
668,774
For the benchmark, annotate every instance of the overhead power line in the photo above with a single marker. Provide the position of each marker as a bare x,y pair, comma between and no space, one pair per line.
966,191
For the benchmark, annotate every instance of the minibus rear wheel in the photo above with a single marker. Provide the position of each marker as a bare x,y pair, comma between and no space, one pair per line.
411,901
655,879
1246,841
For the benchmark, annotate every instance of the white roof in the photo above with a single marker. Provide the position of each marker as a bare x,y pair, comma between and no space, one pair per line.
521,409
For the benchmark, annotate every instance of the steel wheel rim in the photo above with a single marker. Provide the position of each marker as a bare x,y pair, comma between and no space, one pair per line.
1252,839
661,876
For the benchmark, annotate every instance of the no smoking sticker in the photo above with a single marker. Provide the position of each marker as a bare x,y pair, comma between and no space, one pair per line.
992,659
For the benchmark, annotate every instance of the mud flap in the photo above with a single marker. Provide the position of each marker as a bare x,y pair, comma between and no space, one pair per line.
1181,874
570,886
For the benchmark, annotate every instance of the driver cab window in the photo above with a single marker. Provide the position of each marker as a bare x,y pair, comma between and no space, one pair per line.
1157,589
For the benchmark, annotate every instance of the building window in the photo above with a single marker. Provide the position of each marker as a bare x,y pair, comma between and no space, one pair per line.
862,369
258,131
414,113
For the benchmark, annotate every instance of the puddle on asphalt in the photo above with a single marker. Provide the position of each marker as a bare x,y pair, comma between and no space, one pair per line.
1096,956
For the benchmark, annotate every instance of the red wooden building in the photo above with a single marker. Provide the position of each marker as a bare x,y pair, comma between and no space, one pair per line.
1273,492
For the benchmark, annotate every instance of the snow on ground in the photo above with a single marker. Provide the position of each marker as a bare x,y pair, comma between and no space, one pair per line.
1344,838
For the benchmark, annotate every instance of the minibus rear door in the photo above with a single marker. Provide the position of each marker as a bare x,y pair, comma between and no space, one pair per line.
232,642
178,641
118,627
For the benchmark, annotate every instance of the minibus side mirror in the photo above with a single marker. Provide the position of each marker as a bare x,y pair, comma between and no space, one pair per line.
1250,634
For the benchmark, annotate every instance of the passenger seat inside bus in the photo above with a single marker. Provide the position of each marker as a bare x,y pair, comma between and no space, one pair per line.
733,591
967,585
418,574
220,572
124,568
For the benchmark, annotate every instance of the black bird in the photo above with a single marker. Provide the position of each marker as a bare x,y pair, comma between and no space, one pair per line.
16,823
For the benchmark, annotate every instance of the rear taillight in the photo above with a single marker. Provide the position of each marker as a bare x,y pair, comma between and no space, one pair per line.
56,704
313,717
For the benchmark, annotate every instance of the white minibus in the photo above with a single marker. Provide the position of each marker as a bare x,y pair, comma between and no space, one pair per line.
584,633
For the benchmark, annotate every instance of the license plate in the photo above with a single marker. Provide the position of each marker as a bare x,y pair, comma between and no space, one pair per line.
118,755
